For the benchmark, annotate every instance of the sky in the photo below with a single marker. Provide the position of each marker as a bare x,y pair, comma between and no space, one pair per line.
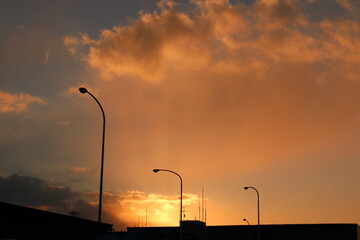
228,94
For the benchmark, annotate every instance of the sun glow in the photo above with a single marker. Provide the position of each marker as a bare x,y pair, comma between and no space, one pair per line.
135,208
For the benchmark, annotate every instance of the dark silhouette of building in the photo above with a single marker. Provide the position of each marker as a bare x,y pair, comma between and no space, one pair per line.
17,222
196,230
286,232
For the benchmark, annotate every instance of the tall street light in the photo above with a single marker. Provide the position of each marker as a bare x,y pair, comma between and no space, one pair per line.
83,91
258,205
165,170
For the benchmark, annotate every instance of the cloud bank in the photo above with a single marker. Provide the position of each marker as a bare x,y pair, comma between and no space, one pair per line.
250,41
36,192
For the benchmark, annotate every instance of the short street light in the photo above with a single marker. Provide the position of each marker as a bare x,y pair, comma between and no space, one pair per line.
165,170
245,220
258,205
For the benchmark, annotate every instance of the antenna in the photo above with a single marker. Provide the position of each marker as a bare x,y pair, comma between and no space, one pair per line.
202,210
205,210
199,209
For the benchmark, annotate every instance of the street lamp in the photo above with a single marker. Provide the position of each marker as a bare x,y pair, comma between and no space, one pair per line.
248,228
258,205
83,91
165,170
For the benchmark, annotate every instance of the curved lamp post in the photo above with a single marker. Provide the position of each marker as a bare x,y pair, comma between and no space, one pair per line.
165,170
258,205
83,91
245,220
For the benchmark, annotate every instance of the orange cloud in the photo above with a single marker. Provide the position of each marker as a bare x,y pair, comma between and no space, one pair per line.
220,37
72,43
47,55
63,123
17,102
77,169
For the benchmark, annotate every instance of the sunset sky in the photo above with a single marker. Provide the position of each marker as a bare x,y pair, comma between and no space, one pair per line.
262,93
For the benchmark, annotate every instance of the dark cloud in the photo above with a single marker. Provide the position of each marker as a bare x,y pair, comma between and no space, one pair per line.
36,192
281,11
75,180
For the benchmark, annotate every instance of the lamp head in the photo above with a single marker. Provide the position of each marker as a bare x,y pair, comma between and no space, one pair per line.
244,219
156,170
246,188
83,90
